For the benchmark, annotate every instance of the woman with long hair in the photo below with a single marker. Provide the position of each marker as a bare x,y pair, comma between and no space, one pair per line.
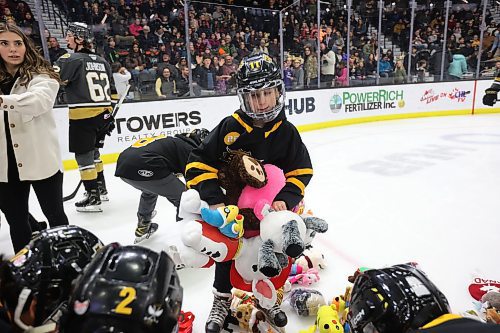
29,148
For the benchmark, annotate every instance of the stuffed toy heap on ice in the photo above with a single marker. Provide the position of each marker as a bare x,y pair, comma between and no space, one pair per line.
260,241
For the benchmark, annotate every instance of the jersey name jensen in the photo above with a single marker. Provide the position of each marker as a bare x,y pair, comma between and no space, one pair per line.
95,66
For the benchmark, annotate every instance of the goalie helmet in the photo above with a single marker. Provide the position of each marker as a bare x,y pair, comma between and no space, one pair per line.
80,30
126,289
258,76
45,268
394,299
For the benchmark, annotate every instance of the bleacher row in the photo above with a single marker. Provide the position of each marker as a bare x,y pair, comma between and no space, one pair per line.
147,39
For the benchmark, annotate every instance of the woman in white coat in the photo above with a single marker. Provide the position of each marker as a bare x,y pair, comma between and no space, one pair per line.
29,148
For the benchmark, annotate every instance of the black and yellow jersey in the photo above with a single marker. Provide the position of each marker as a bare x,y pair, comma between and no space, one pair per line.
451,323
87,82
155,158
278,143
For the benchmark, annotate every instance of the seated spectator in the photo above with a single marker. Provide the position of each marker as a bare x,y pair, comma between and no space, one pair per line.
135,63
342,78
121,77
310,67
135,28
165,85
422,70
55,50
287,73
399,73
297,73
458,67
146,39
165,63
360,72
328,61
385,68
182,82
274,48
262,48
205,77
225,75
371,65
111,52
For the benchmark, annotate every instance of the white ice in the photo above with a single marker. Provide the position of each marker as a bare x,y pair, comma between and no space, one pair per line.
424,190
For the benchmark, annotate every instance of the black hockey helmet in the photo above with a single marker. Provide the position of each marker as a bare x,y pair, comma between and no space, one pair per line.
258,73
45,268
80,30
126,289
394,299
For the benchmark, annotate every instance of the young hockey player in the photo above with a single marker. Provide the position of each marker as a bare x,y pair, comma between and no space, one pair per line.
125,289
402,299
87,82
37,281
151,165
261,128
491,94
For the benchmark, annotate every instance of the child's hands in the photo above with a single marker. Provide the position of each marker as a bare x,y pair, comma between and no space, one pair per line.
279,205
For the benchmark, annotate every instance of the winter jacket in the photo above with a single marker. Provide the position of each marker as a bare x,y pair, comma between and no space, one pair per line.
458,67
32,128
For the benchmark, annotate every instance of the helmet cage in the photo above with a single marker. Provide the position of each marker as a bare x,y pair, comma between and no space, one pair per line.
245,93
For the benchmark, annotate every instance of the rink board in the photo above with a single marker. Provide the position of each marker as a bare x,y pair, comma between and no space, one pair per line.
308,110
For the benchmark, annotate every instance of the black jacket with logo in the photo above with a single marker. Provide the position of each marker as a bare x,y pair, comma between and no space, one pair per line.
278,143
154,158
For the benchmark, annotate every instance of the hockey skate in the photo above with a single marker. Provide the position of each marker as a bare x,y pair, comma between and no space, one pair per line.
103,192
91,203
217,316
145,228
275,317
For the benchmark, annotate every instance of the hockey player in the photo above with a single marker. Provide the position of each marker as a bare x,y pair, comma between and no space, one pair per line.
128,289
35,283
87,81
491,94
261,128
401,299
151,165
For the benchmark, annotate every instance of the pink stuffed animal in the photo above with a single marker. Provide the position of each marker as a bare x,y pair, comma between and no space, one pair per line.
305,279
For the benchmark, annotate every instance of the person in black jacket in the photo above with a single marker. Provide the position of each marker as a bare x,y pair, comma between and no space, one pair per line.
261,128
402,299
151,165
491,94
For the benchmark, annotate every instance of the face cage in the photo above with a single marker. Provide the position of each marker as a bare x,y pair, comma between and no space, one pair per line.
269,115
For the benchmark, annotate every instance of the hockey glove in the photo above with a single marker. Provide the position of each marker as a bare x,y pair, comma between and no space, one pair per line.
110,124
490,97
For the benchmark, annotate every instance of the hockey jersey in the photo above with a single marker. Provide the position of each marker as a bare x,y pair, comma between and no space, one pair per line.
87,80
278,143
154,158
450,323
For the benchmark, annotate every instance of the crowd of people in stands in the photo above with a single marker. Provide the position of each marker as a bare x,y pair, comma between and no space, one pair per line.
145,39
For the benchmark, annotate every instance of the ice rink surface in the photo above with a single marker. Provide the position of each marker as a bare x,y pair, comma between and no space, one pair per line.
424,190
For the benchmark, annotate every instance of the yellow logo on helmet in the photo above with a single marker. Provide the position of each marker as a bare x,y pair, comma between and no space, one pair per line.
254,65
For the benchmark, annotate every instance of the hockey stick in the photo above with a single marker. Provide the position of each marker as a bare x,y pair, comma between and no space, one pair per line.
115,111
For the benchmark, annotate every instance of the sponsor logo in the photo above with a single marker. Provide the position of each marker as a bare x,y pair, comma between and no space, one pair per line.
365,101
336,103
153,122
300,105
145,173
358,317
231,138
430,96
